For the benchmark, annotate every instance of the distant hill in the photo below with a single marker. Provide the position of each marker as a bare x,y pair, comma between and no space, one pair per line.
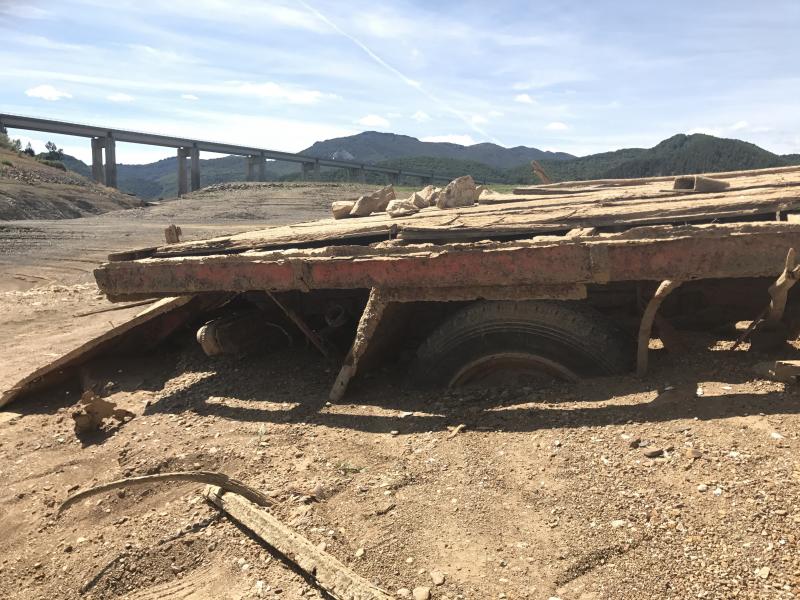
373,147
696,153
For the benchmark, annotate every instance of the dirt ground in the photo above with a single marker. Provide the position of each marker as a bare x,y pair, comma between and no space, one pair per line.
546,493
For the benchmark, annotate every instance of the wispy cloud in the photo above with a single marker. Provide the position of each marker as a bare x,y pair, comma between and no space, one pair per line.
421,116
120,97
556,126
47,92
373,121
190,97
523,99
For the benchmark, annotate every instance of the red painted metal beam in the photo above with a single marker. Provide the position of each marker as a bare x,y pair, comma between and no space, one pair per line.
697,252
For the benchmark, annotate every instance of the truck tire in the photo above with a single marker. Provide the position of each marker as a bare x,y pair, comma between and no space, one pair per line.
491,342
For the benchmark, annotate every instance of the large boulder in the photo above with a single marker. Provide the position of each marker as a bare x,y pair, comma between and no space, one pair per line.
341,208
377,201
401,208
459,192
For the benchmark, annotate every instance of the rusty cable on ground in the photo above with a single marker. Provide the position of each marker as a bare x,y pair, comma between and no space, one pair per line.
208,477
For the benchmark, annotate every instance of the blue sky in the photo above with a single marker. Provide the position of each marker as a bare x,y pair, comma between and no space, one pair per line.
576,76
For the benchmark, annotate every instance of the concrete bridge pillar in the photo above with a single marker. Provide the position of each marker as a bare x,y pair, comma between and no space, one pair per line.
183,183
97,160
194,154
262,168
111,161
426,180
309,170
256,168
393,178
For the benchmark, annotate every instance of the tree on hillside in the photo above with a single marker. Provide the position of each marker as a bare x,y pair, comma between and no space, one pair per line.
29,150
53,151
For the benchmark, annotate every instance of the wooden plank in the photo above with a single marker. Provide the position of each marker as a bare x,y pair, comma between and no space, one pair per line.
636,204
691,252
158,321
338,580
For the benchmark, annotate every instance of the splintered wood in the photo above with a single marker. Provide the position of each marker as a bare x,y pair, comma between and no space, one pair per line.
336,579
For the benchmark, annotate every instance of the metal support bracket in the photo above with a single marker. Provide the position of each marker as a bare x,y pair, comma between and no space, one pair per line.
646,324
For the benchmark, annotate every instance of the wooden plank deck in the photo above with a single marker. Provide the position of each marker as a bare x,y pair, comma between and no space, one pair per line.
609,204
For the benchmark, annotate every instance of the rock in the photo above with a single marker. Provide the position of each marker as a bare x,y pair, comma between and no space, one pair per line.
763,572
341,208
417,200
427,193
359,553
702,488
437,577
618,523
377,201
479,189
775,435
403,593
635,443
421,593
459,192
401,208
653,452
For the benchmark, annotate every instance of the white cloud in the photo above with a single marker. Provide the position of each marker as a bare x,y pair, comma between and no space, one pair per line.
270,91
191,97
495,113
47,92
463,139
479,120
556,126
19,10
739,125
523,99
120,97
373,121
421,116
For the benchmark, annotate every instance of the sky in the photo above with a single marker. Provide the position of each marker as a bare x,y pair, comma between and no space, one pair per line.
573,76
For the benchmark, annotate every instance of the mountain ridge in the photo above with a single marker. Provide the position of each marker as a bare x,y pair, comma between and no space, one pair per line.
678,154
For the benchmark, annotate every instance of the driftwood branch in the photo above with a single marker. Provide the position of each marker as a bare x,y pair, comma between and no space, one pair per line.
336,579
207,477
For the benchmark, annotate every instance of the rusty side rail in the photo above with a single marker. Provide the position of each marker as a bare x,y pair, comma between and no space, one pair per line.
650,254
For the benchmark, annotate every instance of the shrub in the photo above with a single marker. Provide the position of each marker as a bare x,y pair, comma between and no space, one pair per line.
56,164
8,163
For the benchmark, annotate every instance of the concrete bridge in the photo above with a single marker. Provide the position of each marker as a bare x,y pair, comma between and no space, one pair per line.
104,141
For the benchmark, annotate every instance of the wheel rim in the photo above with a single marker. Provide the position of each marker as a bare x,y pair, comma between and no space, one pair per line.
503,367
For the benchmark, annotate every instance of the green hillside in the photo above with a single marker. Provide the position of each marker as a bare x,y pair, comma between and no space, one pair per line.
681,153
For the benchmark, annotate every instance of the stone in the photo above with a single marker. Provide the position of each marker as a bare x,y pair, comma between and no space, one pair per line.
417,200
618,523
763,572
702,488
341,208
401,208
437,577
421,593
426,193
377,201
459,192
359,553
653,452
403,593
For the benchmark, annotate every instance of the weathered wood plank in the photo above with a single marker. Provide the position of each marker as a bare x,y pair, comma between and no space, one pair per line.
335,578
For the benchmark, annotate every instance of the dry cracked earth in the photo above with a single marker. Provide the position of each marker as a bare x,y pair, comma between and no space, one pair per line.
685,484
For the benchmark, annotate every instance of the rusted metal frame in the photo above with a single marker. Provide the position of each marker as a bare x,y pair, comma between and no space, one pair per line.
693,253
779,294
646,324
367,325
310,334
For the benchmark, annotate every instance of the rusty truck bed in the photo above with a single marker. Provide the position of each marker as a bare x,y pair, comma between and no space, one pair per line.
540,242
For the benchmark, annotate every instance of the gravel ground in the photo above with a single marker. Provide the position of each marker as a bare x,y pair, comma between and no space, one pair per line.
685,484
